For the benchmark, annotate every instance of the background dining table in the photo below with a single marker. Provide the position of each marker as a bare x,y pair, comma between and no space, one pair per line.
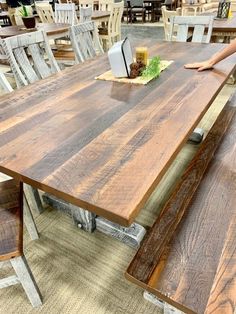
53,30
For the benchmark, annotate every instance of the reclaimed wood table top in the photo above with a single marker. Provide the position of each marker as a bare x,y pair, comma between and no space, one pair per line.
50,28
223,25
104,145
226,25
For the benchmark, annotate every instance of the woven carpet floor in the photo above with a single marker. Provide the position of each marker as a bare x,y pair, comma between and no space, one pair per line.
83,273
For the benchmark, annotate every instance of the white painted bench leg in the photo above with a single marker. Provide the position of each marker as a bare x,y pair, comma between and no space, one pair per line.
26,278
167,308
33,197
29,220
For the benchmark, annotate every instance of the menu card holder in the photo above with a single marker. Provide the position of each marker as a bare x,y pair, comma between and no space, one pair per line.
120,57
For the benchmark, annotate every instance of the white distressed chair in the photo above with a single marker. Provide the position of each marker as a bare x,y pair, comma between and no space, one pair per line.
11,240
65,13
30,57
85,41
45,12
86,3
105,5
199,25
85,14
166,15
112,33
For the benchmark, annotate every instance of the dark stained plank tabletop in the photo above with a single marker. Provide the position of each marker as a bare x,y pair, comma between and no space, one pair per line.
102,145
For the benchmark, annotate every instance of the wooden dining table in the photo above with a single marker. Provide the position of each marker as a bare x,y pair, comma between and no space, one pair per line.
101,145
53,30
223,28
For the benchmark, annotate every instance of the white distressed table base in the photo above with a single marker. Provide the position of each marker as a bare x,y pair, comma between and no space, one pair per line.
132,236
88,221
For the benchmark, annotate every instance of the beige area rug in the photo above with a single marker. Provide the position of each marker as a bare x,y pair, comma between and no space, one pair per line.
83,273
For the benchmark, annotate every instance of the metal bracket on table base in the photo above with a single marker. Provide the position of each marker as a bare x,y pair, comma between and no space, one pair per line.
81,218
131,236
167,308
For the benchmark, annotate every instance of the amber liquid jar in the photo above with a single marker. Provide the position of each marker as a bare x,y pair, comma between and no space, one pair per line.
142,55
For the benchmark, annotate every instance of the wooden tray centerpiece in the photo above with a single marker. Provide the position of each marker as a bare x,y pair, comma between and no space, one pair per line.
125,69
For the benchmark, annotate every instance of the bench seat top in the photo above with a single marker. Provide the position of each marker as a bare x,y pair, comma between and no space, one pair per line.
196,272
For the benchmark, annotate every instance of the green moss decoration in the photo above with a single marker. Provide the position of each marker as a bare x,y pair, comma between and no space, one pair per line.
153,69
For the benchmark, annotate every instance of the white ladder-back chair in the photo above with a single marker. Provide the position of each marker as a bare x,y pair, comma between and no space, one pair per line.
45,12
30,57
199,25
112,33
85,41
65,13
166,15
105,5
85,14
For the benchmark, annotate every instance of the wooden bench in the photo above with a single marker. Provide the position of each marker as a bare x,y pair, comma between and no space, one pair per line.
11,240
188,257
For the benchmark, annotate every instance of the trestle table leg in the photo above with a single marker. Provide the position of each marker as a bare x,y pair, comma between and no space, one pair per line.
81,218
131,236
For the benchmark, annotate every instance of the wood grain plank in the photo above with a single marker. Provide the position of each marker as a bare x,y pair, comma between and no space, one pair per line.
222,296
108,144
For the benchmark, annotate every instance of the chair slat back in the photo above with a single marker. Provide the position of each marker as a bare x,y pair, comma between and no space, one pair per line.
65,13
199,23
105,5
114,24
45,12
30,57
166,15
85,14
85,41
86,3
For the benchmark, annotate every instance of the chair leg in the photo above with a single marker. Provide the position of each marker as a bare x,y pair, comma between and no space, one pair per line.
33,194
29,221
26,278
